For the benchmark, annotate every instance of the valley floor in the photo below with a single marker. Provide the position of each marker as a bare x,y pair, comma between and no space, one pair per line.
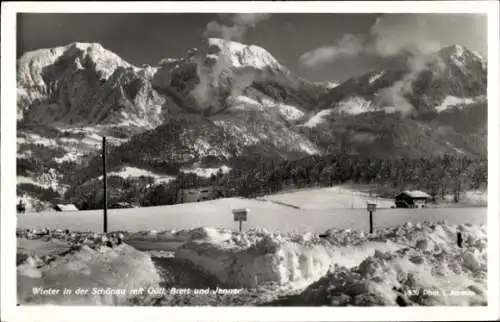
162,256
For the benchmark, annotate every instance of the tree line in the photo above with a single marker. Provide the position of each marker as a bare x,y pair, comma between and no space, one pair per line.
439,176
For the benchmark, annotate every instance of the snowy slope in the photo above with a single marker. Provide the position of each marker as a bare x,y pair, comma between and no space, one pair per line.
133,172
32,68
457,102
240,55
229,68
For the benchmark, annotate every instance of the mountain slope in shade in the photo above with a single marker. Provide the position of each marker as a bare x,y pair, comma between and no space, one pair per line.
382,135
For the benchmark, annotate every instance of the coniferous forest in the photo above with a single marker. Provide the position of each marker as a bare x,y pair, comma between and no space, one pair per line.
251,178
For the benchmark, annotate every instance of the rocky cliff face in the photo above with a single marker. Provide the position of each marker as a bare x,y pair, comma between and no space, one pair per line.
85,84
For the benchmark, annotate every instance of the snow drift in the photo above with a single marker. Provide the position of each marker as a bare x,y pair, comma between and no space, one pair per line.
108,273
258,257
417,264
429,270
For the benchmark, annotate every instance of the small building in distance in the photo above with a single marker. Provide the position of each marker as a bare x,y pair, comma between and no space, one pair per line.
68,207
412,199
195,195
121,205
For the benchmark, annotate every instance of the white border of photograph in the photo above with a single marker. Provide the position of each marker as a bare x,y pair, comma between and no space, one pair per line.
10,313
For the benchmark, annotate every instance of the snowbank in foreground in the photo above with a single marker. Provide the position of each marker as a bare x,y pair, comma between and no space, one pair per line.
252,259
430,270
411,264
352,268
103,268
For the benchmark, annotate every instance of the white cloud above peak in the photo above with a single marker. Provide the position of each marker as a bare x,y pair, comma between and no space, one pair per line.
236,26
348,45
393,34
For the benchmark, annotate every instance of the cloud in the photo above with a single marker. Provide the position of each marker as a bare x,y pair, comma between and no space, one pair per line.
228,27
234,26
250,19
348,45
414,34
394,34
394,97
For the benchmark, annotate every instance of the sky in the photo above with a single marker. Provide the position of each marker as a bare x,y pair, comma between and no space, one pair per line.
317,47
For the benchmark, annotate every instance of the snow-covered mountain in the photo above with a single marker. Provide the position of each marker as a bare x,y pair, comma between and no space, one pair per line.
85,84
450,77
231,98
226,100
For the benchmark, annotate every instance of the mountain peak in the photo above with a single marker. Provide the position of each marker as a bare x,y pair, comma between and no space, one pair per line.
460,56
454,50
240,55
31,64
86,45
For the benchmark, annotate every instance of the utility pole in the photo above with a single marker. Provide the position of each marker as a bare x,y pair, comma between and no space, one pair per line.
104,179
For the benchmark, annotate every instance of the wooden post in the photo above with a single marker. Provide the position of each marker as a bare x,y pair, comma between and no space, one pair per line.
371,207
459,239
104,178
371,222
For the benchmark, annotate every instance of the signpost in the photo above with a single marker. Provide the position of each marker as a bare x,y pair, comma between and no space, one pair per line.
371,207
240,215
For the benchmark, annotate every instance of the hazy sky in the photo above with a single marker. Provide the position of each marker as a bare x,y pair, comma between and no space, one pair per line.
318,47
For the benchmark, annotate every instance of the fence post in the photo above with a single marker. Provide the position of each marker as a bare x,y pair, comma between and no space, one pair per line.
371,222
371,207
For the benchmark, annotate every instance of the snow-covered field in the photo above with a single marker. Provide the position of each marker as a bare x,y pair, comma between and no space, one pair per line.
334,197
268,214
279,258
